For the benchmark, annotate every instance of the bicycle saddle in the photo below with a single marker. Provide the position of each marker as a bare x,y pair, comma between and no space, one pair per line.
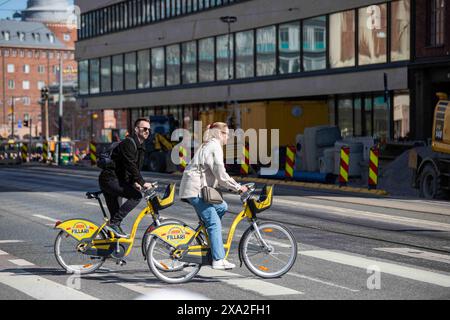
93,195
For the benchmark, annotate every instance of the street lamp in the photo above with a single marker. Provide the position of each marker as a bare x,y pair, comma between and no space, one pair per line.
94,116
12,113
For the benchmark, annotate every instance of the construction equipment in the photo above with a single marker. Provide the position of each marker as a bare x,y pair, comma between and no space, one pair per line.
431,168
159,145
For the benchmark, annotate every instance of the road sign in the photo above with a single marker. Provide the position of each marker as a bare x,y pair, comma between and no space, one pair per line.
19,124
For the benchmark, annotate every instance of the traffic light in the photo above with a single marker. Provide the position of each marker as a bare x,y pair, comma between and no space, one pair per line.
25,123
44,93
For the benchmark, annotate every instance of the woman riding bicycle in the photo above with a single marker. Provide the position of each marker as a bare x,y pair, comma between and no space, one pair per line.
207,168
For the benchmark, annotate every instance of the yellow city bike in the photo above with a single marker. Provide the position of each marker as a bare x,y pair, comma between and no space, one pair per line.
268,249
82,247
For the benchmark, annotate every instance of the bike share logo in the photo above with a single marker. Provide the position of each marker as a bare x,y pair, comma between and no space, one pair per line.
176,234
80,228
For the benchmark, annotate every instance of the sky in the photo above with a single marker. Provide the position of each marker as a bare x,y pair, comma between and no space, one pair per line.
8,7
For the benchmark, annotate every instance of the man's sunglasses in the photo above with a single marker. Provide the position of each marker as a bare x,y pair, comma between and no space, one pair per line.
145,129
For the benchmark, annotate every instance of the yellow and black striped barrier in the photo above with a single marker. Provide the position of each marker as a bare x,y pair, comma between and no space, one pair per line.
344,166
24,152
290,162
93,153
45,152
245,165
373,167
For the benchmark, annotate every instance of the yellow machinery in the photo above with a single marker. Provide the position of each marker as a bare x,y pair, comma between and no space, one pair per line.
431,173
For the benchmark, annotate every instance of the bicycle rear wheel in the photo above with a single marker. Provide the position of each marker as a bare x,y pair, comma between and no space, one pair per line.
159,254
71,259
273,260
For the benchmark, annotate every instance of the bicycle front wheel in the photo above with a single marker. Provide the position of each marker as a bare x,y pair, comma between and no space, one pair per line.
165,267
270,255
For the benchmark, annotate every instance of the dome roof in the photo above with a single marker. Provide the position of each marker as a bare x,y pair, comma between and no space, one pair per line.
47,11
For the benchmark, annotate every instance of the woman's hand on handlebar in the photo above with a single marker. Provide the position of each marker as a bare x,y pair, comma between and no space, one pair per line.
243,189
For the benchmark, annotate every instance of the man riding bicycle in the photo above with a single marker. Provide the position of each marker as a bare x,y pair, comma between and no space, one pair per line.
123,179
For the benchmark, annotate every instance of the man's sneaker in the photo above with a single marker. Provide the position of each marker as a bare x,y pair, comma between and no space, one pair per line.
222,265
118,232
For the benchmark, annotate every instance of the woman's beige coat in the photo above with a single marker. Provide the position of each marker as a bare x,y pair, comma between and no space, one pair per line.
210,157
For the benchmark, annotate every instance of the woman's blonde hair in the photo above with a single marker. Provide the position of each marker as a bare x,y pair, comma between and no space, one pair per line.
213,130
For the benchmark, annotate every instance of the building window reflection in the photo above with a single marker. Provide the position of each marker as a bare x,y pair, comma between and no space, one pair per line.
244,55
345,116
84,76
94,76
117,72
206,59
158,71
173,65
189,71
380,118
342,39
105,71
225,56
400,30
372,34
314,43
144,69
289,48
130,71
401,115
266,51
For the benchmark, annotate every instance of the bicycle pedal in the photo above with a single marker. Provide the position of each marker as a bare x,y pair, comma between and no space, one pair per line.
121,263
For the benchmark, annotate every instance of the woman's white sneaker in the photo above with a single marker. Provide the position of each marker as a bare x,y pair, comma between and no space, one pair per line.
222,265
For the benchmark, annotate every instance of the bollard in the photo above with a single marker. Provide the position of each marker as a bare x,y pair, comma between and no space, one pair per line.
373,168
182,154
93,153
290,162
45,152
24,152
245,165
344,166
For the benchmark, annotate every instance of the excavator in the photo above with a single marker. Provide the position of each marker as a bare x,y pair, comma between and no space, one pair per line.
431,169
159,145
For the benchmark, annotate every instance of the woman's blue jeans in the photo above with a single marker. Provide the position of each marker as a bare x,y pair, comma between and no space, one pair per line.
211,215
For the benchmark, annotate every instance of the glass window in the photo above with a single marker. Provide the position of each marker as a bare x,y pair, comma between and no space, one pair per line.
244,55
266,51
173,65
144,69
380,118
400,30
189,71
225,57
331,111
401,116
345,116
158,77
436,22
105,74
368,116
289,48
130,71
342,39
117,70
94,76
83,67
372,34
358,116
314,43
206,59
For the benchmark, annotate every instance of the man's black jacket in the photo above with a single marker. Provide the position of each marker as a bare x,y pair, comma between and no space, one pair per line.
127,161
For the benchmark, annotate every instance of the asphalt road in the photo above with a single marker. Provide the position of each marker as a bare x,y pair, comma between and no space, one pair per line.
350,246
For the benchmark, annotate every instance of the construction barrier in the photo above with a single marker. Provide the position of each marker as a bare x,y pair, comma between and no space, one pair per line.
373,167
93,153
45,152
24,152
183,158
245,165
344,166
290,162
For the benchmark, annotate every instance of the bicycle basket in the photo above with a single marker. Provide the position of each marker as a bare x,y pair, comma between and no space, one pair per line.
166,201
264,202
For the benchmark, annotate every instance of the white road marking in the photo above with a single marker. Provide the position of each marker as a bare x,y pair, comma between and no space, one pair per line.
417,254
44,217
41,288
21,262
438,279
359,214
320,281
3,253
260,287
11,241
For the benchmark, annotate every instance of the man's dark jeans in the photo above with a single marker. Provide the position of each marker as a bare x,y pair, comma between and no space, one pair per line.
113,190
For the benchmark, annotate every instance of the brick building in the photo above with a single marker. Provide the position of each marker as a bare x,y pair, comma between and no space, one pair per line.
30,54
